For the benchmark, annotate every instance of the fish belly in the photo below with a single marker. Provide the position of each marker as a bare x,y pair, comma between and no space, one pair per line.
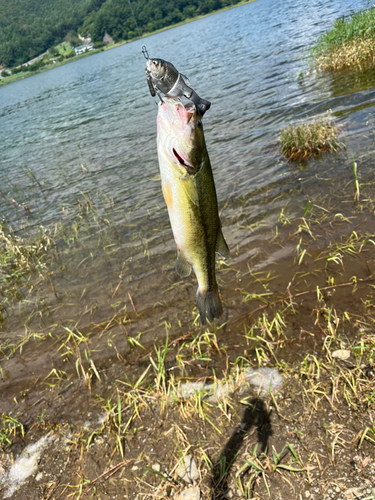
194,229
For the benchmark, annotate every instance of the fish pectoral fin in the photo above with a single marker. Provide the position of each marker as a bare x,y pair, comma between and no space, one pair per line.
190,190
183,267
221,245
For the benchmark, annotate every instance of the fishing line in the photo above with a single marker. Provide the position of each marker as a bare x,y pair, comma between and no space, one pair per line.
131,10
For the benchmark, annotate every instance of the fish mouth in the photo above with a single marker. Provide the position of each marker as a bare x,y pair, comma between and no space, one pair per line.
176,124
176,112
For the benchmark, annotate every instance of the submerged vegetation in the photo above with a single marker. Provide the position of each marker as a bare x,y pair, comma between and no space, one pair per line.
299,142
349,43
20,258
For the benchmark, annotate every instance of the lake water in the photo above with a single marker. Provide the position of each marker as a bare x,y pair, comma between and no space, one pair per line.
88,129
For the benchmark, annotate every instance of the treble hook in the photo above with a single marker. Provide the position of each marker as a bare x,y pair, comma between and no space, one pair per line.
144,52
149,79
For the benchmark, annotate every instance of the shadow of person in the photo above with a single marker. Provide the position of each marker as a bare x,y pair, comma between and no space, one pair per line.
255,415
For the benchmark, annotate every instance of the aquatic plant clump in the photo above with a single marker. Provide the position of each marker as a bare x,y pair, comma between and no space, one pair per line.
350,43
19,258
299,142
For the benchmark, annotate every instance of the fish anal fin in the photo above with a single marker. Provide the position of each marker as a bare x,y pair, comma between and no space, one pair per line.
221,245
190,190
183,267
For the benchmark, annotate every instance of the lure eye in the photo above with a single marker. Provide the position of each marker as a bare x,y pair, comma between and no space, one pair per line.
199,124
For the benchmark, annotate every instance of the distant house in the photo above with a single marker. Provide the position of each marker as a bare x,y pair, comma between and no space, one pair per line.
83,48
2,75
107,39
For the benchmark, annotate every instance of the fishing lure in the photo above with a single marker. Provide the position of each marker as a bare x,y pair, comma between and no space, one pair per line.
163,76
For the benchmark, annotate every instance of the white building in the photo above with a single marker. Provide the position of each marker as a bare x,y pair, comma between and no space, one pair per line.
83,48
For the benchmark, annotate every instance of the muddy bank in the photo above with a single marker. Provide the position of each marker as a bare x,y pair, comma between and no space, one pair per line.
106,380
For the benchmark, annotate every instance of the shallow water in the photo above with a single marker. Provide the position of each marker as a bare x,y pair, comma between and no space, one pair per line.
89,129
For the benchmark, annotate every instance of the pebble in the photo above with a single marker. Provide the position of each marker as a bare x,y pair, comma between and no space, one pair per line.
266,380
352,493
156,467
341,354
187,470
192,493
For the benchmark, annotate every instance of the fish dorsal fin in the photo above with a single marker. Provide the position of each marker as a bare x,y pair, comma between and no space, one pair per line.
190,189
221,245
183,267
185,79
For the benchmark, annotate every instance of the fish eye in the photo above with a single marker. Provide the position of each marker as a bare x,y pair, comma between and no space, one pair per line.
199,124
155,62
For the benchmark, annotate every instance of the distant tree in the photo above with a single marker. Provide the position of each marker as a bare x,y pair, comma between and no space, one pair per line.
30,27
53,51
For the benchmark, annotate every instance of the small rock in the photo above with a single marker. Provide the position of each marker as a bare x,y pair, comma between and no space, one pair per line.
187,470
341,354
307,494
353,493
192,493
265,380
156,467
39,476
229,494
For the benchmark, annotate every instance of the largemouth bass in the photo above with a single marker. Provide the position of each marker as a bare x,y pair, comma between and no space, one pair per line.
166,78
189,192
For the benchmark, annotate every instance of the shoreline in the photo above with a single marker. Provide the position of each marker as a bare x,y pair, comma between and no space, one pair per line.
20,76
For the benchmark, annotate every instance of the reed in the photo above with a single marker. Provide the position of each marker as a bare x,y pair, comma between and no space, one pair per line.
349,43
299,142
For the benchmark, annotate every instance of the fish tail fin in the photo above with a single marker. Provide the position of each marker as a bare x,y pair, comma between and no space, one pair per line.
209,304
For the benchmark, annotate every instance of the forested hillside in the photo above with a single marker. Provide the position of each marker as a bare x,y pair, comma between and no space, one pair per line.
115,16
30,27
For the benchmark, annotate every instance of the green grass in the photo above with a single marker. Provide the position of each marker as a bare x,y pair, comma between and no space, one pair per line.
350,42
19,259
299,142
64,49
25,74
